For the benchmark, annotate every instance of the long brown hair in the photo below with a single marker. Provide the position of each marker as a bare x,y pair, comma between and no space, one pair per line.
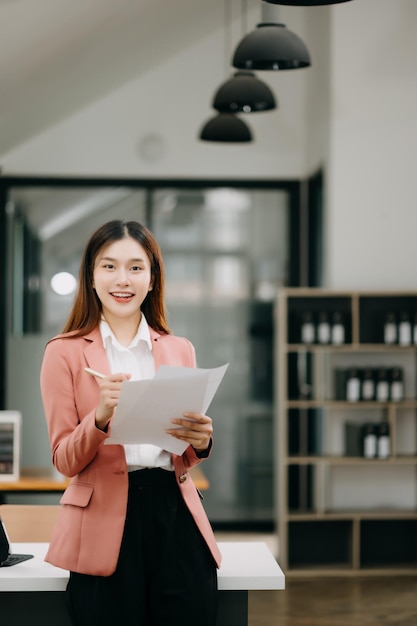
86,310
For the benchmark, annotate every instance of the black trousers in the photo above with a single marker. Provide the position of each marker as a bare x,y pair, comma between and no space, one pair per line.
165,575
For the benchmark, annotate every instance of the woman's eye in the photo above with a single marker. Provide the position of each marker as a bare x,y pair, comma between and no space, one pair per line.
136,268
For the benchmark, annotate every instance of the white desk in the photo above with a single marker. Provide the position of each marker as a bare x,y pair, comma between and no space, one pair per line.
33,591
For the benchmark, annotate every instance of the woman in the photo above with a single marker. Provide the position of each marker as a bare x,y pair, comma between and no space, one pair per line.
131,530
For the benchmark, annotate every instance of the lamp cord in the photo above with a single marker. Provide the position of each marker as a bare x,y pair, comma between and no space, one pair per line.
270,13
244,11
227,36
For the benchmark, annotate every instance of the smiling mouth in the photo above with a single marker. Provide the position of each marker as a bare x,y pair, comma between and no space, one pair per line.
119,295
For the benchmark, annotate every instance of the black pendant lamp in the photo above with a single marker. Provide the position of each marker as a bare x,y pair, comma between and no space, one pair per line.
226,127
244,93
271,47
305,3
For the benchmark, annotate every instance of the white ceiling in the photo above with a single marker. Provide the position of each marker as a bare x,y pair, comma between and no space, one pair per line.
57,56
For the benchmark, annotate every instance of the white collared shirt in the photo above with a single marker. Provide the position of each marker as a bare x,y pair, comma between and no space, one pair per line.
137,359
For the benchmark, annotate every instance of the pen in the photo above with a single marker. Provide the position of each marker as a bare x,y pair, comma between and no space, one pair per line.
94,373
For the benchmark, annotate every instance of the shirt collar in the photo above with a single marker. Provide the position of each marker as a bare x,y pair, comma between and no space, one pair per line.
142,334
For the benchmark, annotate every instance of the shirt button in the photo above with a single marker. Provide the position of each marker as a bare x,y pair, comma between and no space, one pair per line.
183,478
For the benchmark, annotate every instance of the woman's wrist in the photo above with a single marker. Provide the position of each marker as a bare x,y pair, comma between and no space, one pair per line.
102,424
202,454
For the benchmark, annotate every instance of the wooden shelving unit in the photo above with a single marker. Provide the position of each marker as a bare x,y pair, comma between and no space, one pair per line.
340,514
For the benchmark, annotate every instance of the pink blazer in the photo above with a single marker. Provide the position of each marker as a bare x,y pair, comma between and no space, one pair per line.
89,528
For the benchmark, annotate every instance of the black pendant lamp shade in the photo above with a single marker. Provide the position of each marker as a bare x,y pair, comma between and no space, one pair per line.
244,93
226,127
271,46
305,3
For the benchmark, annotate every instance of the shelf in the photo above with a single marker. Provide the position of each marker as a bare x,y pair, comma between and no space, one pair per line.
350,460
314,292
349,571
338,514
376,514
348,347
344,404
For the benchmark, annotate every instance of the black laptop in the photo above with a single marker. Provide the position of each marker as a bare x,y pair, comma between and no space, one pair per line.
6,556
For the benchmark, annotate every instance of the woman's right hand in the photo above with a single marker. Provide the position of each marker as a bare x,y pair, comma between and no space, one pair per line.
109,397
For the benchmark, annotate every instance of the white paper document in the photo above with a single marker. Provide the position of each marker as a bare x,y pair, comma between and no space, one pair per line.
146,407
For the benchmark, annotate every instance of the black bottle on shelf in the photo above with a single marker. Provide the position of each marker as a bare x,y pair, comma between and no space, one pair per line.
353,385
369,441
308,333
404,329
338,329
382,385
396,383
323,328
383,440
390,329
368,385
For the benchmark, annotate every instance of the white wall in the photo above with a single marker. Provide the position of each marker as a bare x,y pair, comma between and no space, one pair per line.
372,176
317,105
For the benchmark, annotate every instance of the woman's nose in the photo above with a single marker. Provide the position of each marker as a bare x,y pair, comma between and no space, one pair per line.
122,277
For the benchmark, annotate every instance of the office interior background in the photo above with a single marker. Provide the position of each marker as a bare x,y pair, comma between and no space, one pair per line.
101,107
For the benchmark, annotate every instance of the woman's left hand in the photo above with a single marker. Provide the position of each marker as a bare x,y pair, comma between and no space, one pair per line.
194,428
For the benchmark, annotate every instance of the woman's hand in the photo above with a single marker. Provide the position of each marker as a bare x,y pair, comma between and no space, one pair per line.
194,428
109,397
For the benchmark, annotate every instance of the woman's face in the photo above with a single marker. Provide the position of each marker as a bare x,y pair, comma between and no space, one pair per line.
122,279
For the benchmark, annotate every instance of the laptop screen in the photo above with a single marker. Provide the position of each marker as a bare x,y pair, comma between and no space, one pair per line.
4,543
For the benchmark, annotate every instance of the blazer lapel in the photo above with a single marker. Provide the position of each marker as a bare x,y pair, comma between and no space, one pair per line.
95,353
155,347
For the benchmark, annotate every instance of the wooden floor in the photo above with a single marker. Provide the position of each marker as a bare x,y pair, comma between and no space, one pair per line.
337,602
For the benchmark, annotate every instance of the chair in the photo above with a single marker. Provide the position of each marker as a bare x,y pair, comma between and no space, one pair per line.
29,523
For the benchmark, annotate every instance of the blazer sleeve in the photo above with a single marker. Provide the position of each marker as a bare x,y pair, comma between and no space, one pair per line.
74,437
